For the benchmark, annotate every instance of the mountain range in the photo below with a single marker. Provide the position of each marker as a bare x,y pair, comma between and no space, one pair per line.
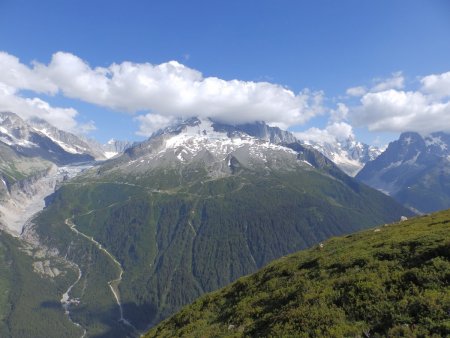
191,209
36,138
348,154
127,241
415,170
34,158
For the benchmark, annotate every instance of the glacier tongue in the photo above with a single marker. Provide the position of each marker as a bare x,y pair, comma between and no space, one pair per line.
26,198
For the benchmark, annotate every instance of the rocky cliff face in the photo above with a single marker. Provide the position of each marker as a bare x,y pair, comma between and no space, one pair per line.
69,142
349,154
415,170
114,147
37,138
259,130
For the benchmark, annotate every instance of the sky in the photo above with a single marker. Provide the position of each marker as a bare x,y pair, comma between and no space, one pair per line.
324,69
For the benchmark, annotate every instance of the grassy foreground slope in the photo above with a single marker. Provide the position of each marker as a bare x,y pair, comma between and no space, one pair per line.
393,280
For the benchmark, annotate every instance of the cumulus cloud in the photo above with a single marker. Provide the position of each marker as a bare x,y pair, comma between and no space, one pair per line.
151,122
425,110
337,129
173,90
15,76
334,132
356,91
437,85
158,94
85,128
18,76
75,78
63,118
396,81
167,90
340,113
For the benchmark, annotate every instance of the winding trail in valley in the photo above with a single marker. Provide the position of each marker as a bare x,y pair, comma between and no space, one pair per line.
113,284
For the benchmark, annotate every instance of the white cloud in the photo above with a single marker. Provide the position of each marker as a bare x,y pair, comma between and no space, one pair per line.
437,84
166,90
387,107
356,91
174,90
339,114
63,118
85,128
18,76
15,76
399,111
396,81
337,131
160,93
340,130
152,122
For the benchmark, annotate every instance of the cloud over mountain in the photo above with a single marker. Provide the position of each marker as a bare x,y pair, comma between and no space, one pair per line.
15,77
173,90
164,91
157,94
63,118
333,132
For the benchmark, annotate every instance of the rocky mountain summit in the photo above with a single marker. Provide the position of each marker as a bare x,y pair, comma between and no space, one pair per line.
36,138
349,154
34,158
415,170
115,147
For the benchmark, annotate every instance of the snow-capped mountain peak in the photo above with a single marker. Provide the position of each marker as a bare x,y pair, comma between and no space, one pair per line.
217,146
115,147
414,169
195,135
209,127
14,131
349,154
438,143
37,138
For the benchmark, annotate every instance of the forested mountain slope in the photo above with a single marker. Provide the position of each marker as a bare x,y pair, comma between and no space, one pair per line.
194,208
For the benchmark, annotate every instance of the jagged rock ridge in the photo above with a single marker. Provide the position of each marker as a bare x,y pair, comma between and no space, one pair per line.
349,154
415,170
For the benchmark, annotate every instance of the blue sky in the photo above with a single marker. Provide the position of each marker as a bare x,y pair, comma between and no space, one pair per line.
385,49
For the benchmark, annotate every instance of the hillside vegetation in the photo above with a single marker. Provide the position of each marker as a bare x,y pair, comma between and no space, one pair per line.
189,211
30,301
388,281
177,243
